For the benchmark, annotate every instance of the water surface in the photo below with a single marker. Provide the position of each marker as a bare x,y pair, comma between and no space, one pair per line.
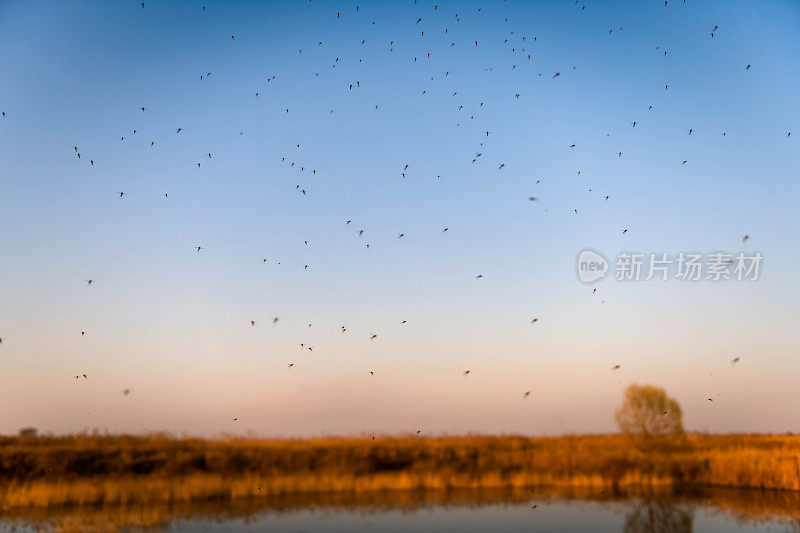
715,511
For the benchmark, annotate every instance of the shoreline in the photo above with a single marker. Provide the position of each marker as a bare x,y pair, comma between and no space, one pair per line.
750,506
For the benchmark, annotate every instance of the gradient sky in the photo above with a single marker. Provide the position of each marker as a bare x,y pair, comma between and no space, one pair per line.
173,324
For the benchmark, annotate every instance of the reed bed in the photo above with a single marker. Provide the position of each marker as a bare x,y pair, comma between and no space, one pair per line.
93,470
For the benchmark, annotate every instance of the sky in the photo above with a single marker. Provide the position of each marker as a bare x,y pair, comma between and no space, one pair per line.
279,117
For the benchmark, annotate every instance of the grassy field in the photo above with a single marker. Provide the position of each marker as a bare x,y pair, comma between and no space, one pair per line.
88,470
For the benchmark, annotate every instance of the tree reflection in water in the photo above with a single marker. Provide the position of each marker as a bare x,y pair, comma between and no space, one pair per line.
659,516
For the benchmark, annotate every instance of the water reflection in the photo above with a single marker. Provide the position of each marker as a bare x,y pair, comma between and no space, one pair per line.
567,510
659,515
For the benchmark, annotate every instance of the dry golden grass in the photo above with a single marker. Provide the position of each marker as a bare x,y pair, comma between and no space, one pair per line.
88,470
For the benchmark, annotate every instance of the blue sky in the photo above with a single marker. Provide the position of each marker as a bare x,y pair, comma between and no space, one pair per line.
174,325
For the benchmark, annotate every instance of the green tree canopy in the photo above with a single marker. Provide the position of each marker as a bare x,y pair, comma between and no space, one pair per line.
647,410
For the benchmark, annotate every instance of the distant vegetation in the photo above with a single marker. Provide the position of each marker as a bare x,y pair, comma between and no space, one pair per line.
93,470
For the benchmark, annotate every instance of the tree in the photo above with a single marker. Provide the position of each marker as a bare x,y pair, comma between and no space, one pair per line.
647,410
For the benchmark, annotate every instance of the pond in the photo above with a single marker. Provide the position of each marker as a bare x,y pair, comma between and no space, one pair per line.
709,511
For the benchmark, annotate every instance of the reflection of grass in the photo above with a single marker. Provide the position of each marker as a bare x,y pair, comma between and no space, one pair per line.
745,505
93,470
